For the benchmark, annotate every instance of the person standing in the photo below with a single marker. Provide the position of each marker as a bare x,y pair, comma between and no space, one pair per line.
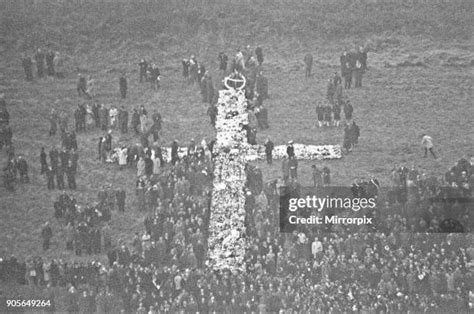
209,88
123,86
285,169
81,86
50,178
90,87
43,161
39,59
308,61
348,69
108,143
46,234
320,114
348,110
50,63
261,85
330,90
135,123
71,176
27,67
203,86
427,143
174,152
327,110
358,74
143,66
293,165
290,149
124,123
326,176
185,64
212,113
336,109
269,151
317,177
120,196
223,60
259,54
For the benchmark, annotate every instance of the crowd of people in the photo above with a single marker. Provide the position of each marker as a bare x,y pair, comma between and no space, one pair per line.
353,65
16,168
394,268
406,264
86,227
48,63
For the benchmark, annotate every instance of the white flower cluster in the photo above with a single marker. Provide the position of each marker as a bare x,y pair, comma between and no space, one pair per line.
302,151
227,244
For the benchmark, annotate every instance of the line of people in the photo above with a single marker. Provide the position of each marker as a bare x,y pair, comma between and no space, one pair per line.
48,63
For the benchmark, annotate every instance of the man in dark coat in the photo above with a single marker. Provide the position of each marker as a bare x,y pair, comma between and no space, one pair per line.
39,59
81,86
64,158
209,89
43,161
60,177
212,113
223,59
50,178
348,110
135,121
95,113
22,166
50,63
77,118
354,133
347,68
46,234
123,86
347,144
326,176
285,169
54,159
261,85
259,54
143,66
293,164
317,176
185,64
330,91
27,67
327,110
123,120
290,150
262,117
269,150
71,177
174,152
308,61
74,157
120,196
203,86
148,166
320,114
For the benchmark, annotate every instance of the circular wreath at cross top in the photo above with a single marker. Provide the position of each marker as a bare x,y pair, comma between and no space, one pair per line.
235,81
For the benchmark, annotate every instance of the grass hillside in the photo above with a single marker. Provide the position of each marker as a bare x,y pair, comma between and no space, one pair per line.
393,108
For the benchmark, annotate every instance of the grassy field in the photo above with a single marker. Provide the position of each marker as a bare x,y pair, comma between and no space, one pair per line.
395,106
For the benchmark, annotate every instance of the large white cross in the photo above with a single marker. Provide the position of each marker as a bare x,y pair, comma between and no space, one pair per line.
227,243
